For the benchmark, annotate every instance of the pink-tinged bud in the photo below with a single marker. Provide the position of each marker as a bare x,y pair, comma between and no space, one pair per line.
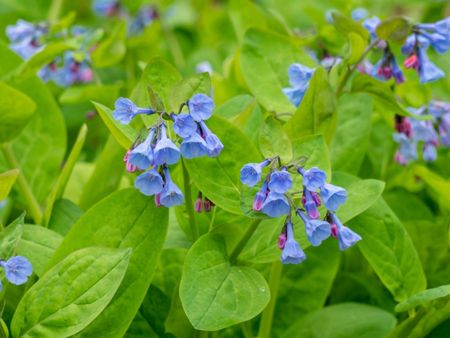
385,71
334,230
207,205
198,205
90,115
129,167
87,75
412,62
258,202
403,125
400,159
282,240
316,199
158,200
303,199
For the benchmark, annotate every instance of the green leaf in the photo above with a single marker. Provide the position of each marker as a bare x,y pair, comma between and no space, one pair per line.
186,88
314,150
351,140
273,141
357,45
423,298
396,28
161,76
65,213
9,237
216,294
38,245
317,111
15,112
265,59
7,180
72,294
436,182
218,178
389,249
125,135
344,320
125,219
112,50
105,94
347,25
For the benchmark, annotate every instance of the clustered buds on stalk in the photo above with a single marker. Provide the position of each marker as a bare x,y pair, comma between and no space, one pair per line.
274,199
154,153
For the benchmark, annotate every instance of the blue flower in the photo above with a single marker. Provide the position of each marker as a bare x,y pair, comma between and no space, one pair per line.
144,18
165,151
171,195
359,13
439,42
106,7
275,205
428,71
407,151
17,269
295,95
299,77
260,196
251,173
316,230
201,107
149,183
204,67
423,131
26,48
313,178
212,141
20,31
184,125
292,252
429,152
280,181
333,196
125,110
310,204
193,146
142,155
345,235
371,24
387,68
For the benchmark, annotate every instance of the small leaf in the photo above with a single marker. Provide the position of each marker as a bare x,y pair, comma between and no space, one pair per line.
105,94
423,298
357,46
10,237
7,180
346,25
273,140
394,29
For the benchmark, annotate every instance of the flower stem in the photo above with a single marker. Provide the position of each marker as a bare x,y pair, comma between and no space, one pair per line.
189,204
32,204
243,242
265,325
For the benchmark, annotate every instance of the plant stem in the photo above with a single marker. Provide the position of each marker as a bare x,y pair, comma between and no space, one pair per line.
189,204
24,188
55,10
245,238
246,330
265,325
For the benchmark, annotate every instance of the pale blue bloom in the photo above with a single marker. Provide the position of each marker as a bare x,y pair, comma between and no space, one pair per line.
201,107
313,178
193,146
17,269
149,183
310,204
125,110
333,196
316,230
142,155
165,151
275,205
359,13
251,173
212,141
292,252
280,181
346,236
171,195
184,125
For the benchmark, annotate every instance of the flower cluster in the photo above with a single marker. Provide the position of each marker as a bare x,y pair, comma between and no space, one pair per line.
157,150
17,269
74,67
274,200
299,76
411,132
143,18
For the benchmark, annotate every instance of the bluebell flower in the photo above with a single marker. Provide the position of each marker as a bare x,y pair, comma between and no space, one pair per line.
280,181
329,16
429,152
193,146
106,7
387,68
26,48
346,237
184,125
204,67
292,252
125,110
371,24
251,172
299,77
437,33
165,151
440,43
17,269
261,196
333,196
316,230
407,151
22,30
212,141
201,107
440,27
144,18
295,95
359,13
275,205
149,183
131,168
171,195
423,131
142,155
313,178
310,204
428,71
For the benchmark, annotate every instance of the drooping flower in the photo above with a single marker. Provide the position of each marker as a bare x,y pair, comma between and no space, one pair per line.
194,146
371,24
316,230
313,178
171,195
125,110
201,107
17,269
129,167
299,77
310,205
143,19
251,172
407,150
429,152
387,68
106,7
165,151
261,196
280,181
149,183
26,37
346,237
359,13
333,196
275,205
212,141
292,252
142,155
184,125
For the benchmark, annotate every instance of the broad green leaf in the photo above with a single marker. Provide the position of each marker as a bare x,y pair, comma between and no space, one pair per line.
351,140
357,45
218,178
317,111
125,219
423,298
265,59
216,294
7,180
105,94
15,112
125,135
161,76
65,213
112,50
188,87
245,14
347,25
389,249
61,182
140,328
38,245
9,237
273,140
343,321
436,182
72,294
314,151
395,28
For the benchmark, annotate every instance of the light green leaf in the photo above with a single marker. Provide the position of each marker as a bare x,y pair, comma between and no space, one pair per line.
188,87
423,298
216,294
314,150
65,213
7,180
347,25
273,141
9,237
395,28
112,50
436,182
72,294
105,94
357,45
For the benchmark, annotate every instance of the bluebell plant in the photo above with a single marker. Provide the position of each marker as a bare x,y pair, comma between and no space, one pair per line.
153,154
17,269
275,198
